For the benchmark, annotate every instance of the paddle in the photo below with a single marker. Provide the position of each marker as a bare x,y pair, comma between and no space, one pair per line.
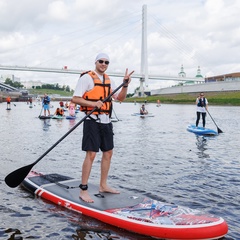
14,178
40,113
219,130
115,115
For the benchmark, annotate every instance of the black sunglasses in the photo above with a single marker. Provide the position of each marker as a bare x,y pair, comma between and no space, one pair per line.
101,62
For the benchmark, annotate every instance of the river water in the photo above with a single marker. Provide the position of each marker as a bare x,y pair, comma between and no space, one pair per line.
155,156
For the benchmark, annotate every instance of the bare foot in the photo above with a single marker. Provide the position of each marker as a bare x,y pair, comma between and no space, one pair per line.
108,190
85,196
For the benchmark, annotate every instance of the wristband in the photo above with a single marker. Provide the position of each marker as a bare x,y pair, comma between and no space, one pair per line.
125,86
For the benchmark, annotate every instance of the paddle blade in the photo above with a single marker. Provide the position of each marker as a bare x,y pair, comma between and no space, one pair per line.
15,178
219,130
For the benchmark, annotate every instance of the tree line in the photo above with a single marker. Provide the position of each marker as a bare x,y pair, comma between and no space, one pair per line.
44,86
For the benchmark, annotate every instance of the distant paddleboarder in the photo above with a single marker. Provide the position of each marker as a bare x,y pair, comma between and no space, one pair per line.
71,109
8,99
202,107
143,110
46,102
30,102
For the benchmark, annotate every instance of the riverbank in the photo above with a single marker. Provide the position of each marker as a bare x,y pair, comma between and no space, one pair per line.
56,95
229,98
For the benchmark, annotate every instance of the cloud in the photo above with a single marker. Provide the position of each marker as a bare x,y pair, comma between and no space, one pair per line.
70,33
58,10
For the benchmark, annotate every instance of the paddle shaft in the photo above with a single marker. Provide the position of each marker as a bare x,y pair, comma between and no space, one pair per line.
14,178
115,115
40,112
219,130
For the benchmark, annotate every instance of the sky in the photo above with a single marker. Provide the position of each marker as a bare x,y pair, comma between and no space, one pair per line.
58,33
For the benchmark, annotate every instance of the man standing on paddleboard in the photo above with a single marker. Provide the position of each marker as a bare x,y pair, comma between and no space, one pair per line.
92,88
45,103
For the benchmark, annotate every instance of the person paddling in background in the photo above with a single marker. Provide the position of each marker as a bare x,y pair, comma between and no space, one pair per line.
202,107
143,110
8,100
46,102
92,88
61,104
30,101
66,104
71,109
59,112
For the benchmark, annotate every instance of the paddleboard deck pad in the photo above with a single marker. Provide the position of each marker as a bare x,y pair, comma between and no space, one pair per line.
201,131
134,213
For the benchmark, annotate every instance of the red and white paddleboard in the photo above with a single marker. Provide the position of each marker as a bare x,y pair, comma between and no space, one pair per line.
135,213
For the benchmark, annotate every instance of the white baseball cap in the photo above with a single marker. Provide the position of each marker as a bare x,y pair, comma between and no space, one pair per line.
102,55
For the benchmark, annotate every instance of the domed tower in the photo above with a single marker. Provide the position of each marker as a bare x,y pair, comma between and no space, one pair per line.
199,75
182,73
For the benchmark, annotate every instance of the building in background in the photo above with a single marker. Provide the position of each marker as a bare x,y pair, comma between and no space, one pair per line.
10,76
225,77
31,84
182,73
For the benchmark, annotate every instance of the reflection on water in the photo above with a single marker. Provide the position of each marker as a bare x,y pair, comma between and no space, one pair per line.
46,124
72,122
201,143
91,233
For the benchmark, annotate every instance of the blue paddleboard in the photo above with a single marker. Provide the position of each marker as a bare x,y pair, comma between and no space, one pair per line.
201,131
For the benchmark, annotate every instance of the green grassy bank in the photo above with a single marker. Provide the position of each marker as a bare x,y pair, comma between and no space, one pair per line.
50,92
231,98
214,98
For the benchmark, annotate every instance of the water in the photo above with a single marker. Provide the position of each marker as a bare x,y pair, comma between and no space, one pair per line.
155,156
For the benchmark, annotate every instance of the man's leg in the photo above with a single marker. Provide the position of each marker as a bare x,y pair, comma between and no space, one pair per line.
86,170
105,166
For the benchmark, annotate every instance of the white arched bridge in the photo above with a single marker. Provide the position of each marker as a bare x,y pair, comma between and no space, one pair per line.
141,77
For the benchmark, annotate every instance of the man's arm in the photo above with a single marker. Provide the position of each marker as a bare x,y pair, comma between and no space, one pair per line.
123,93
85,103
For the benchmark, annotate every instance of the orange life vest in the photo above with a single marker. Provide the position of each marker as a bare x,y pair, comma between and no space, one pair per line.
8,99
60,112
100,91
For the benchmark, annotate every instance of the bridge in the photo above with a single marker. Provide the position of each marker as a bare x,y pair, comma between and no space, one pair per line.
78,72
6,87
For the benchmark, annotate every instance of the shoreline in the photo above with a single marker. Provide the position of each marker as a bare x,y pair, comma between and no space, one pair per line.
227,98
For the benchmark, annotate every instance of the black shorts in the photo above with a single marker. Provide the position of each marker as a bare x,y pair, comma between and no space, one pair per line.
97,136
